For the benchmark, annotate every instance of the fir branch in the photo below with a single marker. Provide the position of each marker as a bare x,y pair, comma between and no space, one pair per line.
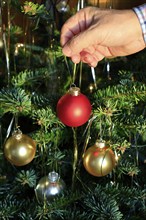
102,207
48,141
15,100
112,199
8,208
15,30
26,215
4,190
132,123
71,214
121,94
133,199
27,177
58,207
29,77
55,158
33,9
46,118
127,167
41,100
56,53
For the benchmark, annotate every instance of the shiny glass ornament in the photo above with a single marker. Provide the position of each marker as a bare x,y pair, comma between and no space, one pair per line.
62,6
49,186
19,149
99,160
74,108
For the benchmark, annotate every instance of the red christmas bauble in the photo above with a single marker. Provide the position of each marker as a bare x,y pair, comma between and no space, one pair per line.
74,108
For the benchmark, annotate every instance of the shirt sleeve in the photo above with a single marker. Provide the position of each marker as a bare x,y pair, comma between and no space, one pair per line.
141,14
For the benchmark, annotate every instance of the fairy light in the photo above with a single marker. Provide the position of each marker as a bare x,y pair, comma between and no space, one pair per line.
18,45
91,87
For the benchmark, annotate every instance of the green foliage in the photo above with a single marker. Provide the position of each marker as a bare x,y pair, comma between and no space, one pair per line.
126,167
102,207
31,78
33,9
121,95
46,118
27,177
40,75
15,100
15,30
55,158
8,208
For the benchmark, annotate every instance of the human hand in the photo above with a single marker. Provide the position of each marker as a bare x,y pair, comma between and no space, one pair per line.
93,33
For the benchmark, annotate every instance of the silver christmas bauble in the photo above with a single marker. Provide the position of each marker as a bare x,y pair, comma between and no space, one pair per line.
62,6
49,186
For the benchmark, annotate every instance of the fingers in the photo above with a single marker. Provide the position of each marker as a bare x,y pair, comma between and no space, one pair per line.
75,33
73,26
86,57
76,58
79,42
91,59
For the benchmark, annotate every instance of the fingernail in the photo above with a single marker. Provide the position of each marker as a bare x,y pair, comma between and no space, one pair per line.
75,58
93,64
66,51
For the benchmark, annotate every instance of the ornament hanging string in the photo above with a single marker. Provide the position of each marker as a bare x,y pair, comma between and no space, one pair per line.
94,77
9,128
16,121
100,132
74,73
87,135
7,57
9,25
75,158
6,41
67,65
80,76
136,145
55,167
80,5
108,70
110,6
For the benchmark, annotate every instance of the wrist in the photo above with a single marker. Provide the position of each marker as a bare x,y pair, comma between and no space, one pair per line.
140,11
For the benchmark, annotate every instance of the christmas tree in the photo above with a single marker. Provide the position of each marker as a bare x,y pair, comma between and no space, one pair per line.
72,137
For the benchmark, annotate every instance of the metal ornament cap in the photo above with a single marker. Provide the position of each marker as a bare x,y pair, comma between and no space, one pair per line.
53,177
17,134
74,91
100,143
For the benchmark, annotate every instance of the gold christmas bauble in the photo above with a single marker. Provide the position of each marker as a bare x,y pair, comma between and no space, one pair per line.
99,160
19,149
49,186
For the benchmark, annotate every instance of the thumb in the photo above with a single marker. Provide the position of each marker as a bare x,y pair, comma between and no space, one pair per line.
79,42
